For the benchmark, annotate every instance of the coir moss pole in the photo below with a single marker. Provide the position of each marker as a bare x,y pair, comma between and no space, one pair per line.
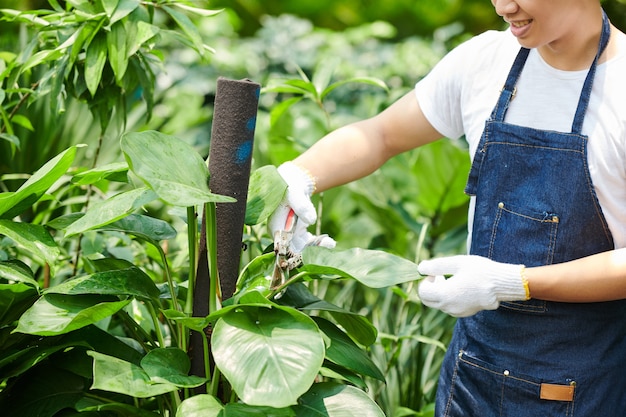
230,155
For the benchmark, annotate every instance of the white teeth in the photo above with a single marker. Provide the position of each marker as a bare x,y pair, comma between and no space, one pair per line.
521,23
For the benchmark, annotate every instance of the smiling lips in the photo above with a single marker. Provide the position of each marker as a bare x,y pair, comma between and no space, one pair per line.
521,23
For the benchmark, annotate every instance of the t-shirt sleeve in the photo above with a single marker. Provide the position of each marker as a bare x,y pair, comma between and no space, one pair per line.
440,93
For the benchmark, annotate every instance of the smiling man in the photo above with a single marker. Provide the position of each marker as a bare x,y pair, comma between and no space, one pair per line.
541,295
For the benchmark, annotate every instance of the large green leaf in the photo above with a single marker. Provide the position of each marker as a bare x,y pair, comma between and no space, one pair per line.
33,238
202,405
170,366
85,406
336,400
115,375
358,327
13,204
43,392
131,281
344,352
172,168
270,356
17,271
111,210
265,192
447,166
208,406
55,314
373,268
14,300
20,358
142,226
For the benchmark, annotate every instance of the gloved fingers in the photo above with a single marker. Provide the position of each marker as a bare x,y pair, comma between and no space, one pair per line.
302,205
280,219
302,238
449,265
324,241
300,187
431,290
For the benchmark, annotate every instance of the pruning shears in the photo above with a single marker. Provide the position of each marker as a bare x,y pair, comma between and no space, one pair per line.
286,259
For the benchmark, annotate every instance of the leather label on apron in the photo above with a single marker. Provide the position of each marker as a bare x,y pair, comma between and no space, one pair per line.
556,392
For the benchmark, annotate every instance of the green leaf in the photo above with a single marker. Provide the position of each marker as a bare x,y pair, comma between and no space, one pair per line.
257,275
119,9
14,300
23,121
280,347
116,43
143,33
117,171
335,400
202,405
112,409
12,139
44,391
95,60
245,410
373,268
279,109
17,271
265,192
170,366
111,210
344,352
34,238
41,57
55,314
144,227
197,10
187,27
172,168
443,188
131,281
115,375
358,327
363,80
13,204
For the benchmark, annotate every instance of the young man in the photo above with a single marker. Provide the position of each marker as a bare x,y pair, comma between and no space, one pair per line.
542,295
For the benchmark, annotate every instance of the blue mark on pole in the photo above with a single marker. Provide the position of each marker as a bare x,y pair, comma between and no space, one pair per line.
251,123
243,153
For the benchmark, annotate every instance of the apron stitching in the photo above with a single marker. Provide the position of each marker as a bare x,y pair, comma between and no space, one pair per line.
493,232
452,384
598,209
553,235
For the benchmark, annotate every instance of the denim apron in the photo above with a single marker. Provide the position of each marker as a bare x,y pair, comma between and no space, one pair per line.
536,205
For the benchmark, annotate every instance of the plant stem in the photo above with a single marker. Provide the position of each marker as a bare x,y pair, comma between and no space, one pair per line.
138,333
192,242
212,380
157,324
297,277
211,244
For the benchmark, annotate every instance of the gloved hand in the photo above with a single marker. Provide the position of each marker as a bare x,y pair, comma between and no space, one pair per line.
476,284
300,187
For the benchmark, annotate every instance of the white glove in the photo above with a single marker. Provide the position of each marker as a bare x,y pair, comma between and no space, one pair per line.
476,284
300,187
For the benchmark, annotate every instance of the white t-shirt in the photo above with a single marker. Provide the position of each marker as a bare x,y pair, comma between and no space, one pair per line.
459,94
